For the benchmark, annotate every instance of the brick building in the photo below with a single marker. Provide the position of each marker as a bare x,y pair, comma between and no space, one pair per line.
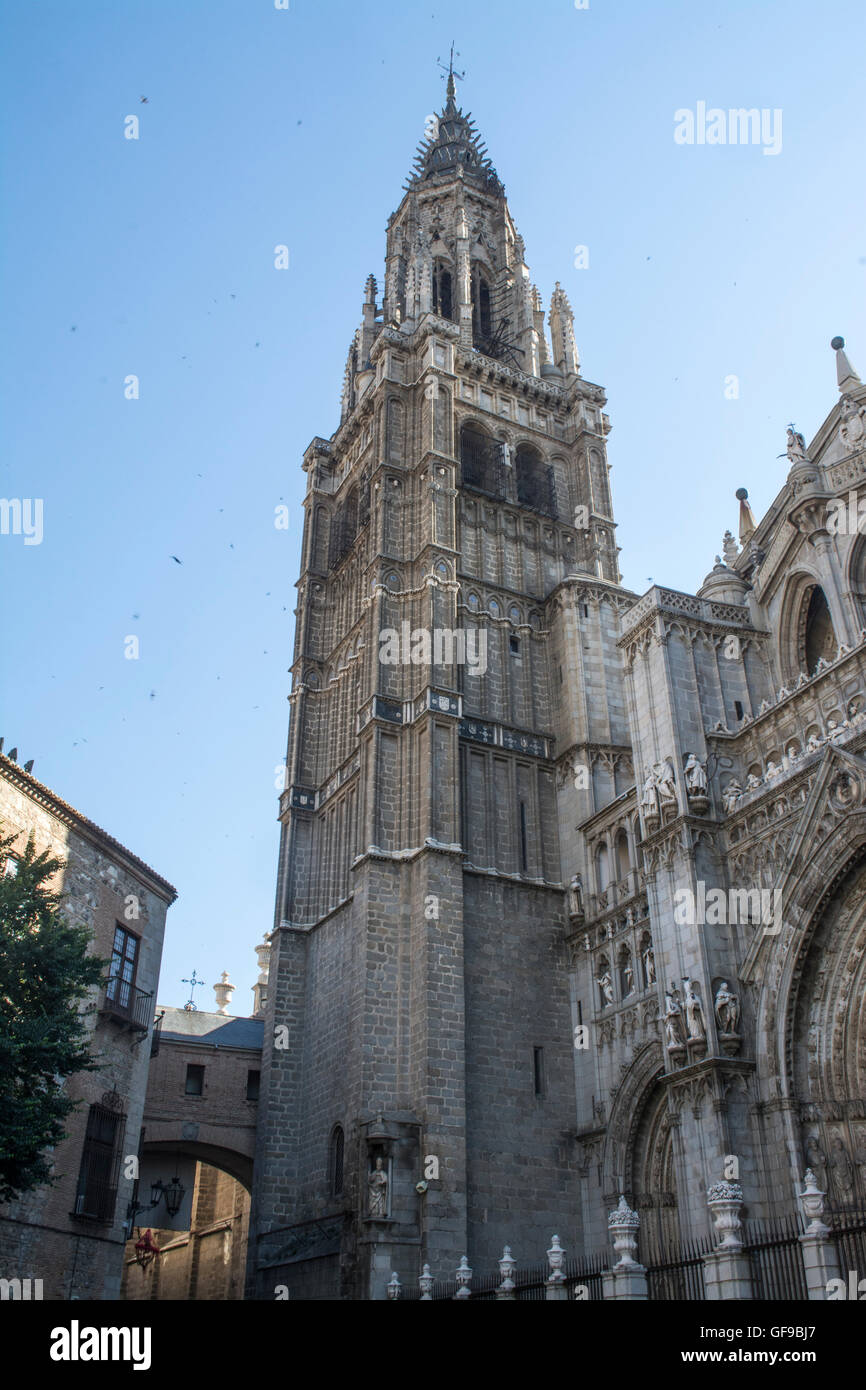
199,1129
70,1233
496,1001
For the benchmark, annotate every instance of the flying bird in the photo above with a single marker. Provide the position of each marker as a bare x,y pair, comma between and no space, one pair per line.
176,560
144,100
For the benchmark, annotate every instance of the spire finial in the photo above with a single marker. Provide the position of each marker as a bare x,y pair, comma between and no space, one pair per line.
747,520
451,89
845,374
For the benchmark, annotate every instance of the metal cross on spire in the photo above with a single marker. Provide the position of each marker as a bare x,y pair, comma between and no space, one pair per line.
449,71
193,983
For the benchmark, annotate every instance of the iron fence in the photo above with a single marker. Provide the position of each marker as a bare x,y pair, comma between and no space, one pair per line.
776,1259
676,1273
849,1235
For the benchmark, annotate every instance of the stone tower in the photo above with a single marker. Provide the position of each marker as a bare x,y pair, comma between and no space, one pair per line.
457,706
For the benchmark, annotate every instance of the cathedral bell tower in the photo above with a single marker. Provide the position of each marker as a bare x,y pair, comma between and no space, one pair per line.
418,1087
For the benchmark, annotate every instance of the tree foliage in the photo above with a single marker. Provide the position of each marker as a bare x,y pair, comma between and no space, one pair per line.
45,974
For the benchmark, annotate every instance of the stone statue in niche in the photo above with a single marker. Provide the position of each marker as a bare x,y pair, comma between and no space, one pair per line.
841,1168
649,965
727,1009
694,1012
667,787
673,1019
377,1188
815,1156
626,976
731,795
696,777
650,800
605,986
575,896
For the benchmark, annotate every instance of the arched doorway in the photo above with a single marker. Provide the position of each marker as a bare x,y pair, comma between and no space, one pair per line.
654,1176
827,1040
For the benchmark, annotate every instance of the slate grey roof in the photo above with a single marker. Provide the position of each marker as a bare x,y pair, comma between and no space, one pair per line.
219,1030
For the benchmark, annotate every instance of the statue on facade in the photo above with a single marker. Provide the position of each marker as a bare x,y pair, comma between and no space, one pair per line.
667,786
727,1007
731,795
673,1019
626,977
696,777
650,799
815,1156
796,446
694,1012
605,985
841,1168
575,896
649,965
377,1187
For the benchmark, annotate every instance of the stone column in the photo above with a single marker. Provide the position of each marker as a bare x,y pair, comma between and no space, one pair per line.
726,1269
627,1280
819,1253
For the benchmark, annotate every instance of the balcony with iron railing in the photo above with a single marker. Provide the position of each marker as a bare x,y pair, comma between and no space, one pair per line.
128,1006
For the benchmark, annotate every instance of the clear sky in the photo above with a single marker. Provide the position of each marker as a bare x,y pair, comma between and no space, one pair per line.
155,257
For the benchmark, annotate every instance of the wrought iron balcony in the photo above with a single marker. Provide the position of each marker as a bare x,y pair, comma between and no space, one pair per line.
128,1006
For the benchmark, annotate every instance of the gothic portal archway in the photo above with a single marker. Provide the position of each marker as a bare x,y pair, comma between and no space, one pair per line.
827,1042
653,1179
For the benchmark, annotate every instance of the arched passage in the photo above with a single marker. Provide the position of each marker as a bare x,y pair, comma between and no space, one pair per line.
203,1243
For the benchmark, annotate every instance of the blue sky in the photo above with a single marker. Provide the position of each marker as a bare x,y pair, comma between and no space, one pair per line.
155,258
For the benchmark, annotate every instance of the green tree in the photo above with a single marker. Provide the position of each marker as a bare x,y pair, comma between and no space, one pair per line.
45,973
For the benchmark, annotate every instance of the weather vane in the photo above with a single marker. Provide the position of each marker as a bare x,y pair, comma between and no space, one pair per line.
449,71
193,982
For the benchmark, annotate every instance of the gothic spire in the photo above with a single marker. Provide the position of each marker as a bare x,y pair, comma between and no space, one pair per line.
452,143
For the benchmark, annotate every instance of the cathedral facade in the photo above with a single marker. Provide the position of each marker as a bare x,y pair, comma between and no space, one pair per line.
572,882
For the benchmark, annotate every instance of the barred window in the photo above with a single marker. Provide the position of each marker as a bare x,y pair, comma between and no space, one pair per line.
96,1193
534,481
481,461
344,528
